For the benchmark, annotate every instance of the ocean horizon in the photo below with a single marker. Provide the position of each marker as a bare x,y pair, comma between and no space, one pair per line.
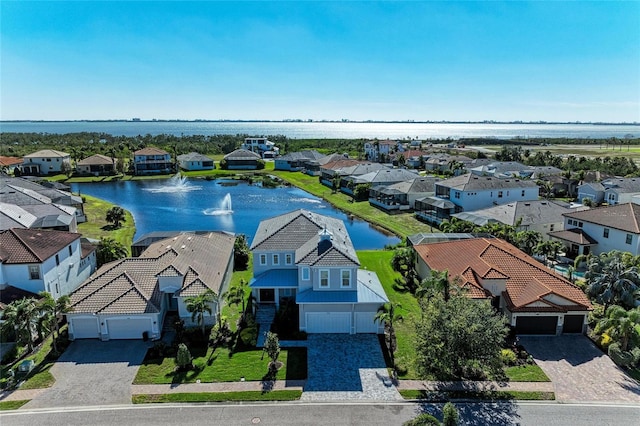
332,129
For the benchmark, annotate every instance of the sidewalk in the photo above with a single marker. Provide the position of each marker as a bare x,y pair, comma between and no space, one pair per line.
218,387
481,386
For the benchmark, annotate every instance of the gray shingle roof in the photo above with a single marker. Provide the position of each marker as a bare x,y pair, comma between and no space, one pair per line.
471,182
625,217
242,154
193,156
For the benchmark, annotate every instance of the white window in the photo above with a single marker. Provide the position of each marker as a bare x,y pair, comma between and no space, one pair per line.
305,273
288,259
263,259
34,272
346,278
276,259
324,278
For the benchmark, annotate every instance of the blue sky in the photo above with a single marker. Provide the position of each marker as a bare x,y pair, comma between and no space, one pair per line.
544,60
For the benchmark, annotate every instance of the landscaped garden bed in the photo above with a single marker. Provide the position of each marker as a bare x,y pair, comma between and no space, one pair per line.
276,395
440,396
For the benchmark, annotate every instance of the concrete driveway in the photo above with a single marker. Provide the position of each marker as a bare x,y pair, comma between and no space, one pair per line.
91,372
580,371
343,366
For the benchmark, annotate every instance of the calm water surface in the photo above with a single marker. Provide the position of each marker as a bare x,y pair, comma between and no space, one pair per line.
198,204
323,130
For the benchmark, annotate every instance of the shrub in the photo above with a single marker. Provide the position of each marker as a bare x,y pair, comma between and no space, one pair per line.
620,357
450,416
423,419
605,341
183,357
249,336
508,357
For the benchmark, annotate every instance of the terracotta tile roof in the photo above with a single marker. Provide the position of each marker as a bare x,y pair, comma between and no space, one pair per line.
625,217
527,281
32,245
9,161
131,285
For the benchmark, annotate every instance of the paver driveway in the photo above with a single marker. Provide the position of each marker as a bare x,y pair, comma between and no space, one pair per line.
343,366
580,371
91,372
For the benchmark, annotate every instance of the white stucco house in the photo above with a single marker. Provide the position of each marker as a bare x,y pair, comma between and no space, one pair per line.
310,258
38,260
129,298
535,299
601,230
45,162
195,161
471,192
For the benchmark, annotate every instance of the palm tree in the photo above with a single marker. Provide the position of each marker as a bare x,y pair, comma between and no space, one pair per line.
109,250
610,281
235,295
527,240
115,215
389,314
23,316
620,324
50,308
438,281
201,304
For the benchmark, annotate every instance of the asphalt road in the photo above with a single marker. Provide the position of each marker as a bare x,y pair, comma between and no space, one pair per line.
547,414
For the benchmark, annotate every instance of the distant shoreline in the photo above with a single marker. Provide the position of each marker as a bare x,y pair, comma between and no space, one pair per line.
577,123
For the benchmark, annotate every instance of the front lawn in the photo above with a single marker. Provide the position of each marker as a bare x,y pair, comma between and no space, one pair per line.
526,373
223,366
12,405
277,395
380,262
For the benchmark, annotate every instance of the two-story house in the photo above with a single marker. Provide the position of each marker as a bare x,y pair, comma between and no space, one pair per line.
535,299
471,192
152,160
38,260
261,146
309,258
601,230
377,150
46,162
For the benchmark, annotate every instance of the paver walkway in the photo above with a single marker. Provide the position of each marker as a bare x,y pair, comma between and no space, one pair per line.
580,371
347,367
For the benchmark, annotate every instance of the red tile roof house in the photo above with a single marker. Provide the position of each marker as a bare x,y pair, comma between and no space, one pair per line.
40,260
535,299
309,258
129,298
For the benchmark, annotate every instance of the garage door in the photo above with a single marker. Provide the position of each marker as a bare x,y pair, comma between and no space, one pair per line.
85,328
573,323
130,328
536,325
365,323
328,322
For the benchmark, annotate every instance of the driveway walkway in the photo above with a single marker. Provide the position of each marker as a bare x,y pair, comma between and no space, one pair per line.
342,366
91,372
580,371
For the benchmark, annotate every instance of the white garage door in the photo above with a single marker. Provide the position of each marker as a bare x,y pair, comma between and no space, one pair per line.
365,323
85,328
129,328
328,322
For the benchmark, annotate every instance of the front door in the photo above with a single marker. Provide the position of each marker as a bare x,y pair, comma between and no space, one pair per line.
267,295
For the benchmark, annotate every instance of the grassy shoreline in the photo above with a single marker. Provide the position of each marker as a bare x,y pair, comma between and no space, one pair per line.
97,227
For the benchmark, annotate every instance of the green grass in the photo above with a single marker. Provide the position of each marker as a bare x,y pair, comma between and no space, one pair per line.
223,366
42,378
399,224
488,395
233,312
380,262
12,405
96,226
635,373
278,395
526,373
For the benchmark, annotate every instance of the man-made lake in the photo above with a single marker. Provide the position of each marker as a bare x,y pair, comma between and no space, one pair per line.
220,205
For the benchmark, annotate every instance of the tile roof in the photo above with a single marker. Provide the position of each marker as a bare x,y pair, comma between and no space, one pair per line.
51,153
530,212
96,159
527,281
9,161
622,185
625,217
242,154
19,246
193,156
471,182
574,235
299,230
131,285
